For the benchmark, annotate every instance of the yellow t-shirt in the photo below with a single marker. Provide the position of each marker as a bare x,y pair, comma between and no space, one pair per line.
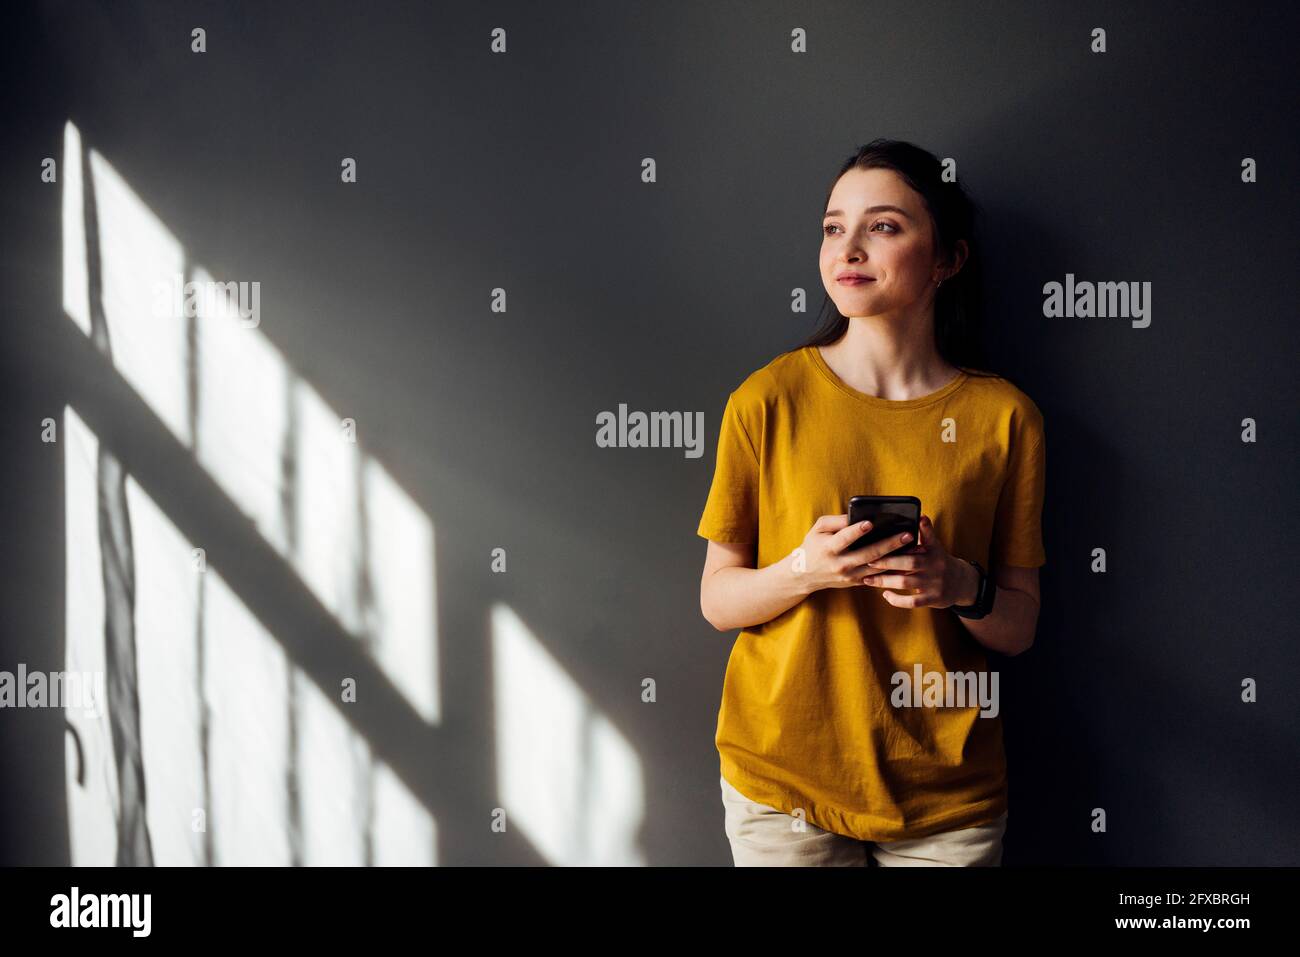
806,719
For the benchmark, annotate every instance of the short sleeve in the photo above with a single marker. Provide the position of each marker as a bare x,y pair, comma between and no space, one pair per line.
1018,525
731,511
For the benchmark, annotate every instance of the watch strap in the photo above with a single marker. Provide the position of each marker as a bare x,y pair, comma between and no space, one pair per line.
983,596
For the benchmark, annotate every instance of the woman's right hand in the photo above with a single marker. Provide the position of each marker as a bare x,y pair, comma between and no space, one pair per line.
821,561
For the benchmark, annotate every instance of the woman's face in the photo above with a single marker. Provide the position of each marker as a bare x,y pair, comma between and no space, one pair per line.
877,226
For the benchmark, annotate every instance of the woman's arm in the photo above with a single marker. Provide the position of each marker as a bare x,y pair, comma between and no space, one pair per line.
734,594
1009,628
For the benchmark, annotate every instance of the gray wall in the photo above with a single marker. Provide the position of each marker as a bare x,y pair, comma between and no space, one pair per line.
522,171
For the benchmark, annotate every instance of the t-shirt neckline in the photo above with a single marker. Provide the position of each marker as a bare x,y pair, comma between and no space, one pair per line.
813,354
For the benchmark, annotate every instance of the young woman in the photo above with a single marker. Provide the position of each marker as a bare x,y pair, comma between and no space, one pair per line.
828,753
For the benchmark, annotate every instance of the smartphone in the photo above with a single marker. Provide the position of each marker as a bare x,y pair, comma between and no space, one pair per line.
889,515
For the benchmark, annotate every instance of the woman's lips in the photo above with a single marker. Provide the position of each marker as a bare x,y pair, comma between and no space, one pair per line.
854,281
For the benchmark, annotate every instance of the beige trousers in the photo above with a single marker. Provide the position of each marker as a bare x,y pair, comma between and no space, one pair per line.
762,836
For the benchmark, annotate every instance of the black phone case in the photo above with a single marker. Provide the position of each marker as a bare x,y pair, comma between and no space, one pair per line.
885,524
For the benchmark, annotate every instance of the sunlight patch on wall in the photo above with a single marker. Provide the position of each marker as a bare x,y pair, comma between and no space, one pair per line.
565,775
137,254
203,656
92,775
266,436
76,299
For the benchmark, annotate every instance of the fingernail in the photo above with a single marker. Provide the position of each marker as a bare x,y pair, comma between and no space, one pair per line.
907,537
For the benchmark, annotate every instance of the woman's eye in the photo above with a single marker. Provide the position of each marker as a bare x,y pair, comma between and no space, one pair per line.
827,229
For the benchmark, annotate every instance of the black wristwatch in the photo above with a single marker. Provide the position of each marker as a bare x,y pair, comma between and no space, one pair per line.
983,597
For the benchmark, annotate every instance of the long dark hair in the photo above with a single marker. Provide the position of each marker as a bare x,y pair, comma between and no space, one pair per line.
958,304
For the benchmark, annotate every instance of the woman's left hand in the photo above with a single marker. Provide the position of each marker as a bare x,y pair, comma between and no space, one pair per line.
940,579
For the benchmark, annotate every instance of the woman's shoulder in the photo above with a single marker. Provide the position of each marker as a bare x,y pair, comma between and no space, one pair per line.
777,378
1000,393
999,387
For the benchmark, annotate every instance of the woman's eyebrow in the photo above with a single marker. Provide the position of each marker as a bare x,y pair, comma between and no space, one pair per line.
870,209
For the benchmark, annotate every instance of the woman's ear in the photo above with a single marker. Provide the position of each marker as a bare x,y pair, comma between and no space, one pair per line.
960,251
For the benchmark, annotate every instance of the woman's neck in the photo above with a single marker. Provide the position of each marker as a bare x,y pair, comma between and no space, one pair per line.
880,357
